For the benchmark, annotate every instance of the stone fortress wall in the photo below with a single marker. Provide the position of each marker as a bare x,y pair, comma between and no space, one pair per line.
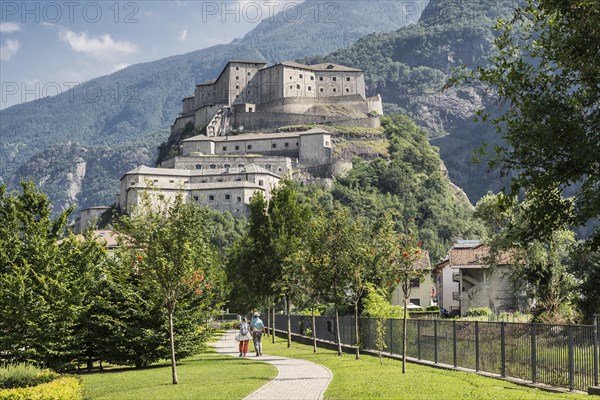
282,93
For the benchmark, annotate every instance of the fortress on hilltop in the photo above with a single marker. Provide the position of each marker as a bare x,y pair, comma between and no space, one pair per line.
240,149
248,95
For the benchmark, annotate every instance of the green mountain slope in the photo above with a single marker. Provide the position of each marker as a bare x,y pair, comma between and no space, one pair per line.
117,109
409,67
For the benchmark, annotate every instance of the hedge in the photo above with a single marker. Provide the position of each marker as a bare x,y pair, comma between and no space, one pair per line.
65,388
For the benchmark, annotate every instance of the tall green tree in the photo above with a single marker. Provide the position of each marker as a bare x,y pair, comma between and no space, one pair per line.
171,243
331,250
287,226
47,278
547,72
540,268
406,269
374,252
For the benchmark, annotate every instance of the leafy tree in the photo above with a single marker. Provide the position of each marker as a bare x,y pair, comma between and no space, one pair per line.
287,221
547,71
406,270
376,305
172,246
374,250
538,267
47,280
585,266
331,250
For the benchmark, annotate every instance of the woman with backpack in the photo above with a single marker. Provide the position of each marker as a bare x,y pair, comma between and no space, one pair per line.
243,336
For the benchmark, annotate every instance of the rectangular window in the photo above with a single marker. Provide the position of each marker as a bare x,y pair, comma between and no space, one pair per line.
309,88
237,68
312,78
297,86
227,197
347,90
211,198
416,302
249,147
321,90
239,199
347,79
196,198
287,145
415,283
334,90
334,78
301,76
237,78
237,147
274,145
321,78
224,148
249,73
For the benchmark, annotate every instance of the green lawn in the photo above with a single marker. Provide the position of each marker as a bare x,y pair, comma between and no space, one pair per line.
207,376
367,379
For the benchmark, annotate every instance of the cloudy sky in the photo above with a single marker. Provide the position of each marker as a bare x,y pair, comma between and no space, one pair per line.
47,45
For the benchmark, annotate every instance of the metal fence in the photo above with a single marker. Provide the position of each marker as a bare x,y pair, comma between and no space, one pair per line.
557,355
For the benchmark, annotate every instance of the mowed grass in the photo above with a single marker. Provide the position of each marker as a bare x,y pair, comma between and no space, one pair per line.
207,376
368,379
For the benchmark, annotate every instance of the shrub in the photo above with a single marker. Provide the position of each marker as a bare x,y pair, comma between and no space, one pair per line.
478,312
23,374
433,308
65,388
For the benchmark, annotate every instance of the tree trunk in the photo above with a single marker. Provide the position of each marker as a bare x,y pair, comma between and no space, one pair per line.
172,340
289,321
314,330
90,363
356,341
337,330
404,337
268,330
273,325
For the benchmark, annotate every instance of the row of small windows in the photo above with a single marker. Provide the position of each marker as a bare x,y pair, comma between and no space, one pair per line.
312,78
274,145
228,166
211,197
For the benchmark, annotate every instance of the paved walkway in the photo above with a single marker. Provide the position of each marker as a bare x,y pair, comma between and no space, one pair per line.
297,379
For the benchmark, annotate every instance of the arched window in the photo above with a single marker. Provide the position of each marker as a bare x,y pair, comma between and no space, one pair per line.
268,166
198,166
213,166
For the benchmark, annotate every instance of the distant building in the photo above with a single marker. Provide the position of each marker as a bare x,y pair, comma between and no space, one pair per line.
224,189
249,95
88,216
465,280
422,294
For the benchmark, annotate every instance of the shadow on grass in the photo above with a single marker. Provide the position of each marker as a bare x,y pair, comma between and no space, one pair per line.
212,358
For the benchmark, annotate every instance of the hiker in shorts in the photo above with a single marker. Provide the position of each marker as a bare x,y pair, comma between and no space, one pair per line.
256,326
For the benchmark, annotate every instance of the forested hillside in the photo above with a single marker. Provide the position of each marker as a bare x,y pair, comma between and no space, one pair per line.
120,108
410,66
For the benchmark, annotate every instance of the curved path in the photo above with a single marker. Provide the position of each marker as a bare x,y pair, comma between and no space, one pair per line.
297,379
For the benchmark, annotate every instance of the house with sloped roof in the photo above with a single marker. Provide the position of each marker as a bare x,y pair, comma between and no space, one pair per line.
465,279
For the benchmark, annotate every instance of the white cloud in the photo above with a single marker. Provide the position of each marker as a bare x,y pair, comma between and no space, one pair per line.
98,46
183,35
9,49
9,27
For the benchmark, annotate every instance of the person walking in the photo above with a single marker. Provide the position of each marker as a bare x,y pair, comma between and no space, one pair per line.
243,336
257,326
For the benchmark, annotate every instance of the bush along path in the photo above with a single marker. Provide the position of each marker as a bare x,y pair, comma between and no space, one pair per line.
297,379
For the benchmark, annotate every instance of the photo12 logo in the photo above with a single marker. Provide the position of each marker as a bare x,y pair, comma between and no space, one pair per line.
90,92
256,11
69,11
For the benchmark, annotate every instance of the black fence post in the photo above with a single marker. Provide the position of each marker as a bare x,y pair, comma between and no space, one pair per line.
435,341
533,353
502,349
476,345
391,336
454,341
418,339
596,328
571,359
